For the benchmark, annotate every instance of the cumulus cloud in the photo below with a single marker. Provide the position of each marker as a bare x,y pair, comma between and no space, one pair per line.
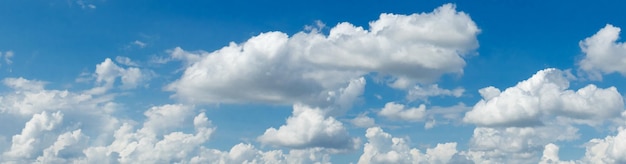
551,155
542,97
309,127
611,149
108,72
602,54
26,144
384,148
516,124
396,111
515,144
273,67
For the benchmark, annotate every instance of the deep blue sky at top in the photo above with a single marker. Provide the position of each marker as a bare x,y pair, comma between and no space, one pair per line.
62,35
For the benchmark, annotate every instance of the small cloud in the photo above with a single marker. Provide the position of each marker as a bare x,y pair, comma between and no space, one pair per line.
7,57
139,44
84,5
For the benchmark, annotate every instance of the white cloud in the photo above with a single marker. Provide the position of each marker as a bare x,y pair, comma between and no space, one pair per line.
551,155
145,147
611,149
545,96
515,144
275,68
603,54
68,145
363,121
7,57
139,44
309,127
383,148
396,111
108,72
26,144
422,93
85,5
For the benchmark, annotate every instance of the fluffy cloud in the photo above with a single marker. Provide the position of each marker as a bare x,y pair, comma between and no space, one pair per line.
384,148
27,144
603,54
611,149
396,111
309,127
515,144
543,97
551,155
108,72
276,68
142,146
516,124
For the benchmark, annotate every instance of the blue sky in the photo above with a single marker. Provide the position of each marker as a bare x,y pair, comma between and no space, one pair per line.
94,81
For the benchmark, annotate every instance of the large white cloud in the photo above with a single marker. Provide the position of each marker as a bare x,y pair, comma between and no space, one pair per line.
309,127
611,149
276,68
542,97
603,55
516,124
384,148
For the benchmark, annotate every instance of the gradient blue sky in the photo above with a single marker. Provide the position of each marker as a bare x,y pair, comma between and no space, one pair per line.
60,42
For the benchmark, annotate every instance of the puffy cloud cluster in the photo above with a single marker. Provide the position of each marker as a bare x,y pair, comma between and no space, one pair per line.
516,124
276,68
541,98
515,144
68,127
384,148
309,127
108,72
611,149
396,111
603,55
